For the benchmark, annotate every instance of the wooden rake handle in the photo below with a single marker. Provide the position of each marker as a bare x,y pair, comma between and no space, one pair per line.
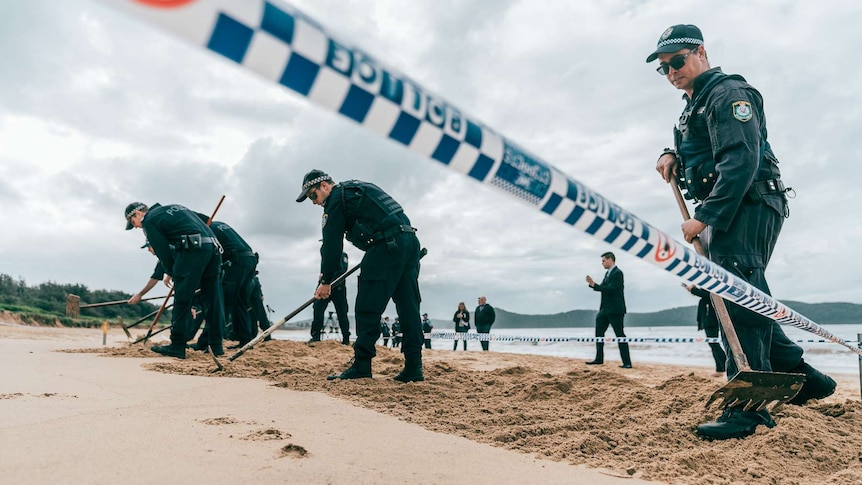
717,302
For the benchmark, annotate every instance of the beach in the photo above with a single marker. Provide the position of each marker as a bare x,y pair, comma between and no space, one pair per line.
75,411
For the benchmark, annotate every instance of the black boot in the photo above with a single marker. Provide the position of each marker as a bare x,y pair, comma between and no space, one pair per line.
170,350
359,370
735,423
817,384
625,356
600,355
412,371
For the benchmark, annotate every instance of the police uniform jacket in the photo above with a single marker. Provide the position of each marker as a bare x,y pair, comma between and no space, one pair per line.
158,271
362,212
232,243
723,149
164,227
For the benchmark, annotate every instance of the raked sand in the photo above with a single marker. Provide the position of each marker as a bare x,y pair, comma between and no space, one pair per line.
121,414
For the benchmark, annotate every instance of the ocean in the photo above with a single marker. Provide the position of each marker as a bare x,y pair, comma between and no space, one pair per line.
826,356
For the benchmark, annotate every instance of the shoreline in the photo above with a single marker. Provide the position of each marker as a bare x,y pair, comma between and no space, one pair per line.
550,415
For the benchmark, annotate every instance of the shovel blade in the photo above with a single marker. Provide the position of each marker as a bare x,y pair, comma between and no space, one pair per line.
755,390
219,367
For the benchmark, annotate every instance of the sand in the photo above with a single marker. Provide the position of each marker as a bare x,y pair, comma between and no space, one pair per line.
75,416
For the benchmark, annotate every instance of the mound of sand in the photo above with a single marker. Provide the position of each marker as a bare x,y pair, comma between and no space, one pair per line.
636,422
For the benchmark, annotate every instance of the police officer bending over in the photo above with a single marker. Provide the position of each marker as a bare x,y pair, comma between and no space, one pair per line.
240,263
373,222
191,255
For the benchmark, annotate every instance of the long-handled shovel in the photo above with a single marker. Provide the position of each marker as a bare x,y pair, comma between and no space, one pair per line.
116,302
138,321
171,292
278,324
152,334
751,389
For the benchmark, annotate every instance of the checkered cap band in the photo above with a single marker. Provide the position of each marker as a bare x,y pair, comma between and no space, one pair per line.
131,211
679,40
289,48
311,183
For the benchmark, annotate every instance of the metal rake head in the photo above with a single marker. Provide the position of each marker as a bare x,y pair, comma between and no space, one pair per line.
755,390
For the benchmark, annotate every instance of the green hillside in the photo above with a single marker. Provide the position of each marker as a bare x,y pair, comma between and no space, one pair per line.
820,313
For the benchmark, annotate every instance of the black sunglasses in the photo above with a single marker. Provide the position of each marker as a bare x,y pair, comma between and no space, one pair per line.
312,192
676,62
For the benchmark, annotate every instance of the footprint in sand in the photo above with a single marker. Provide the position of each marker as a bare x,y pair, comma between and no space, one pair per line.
266,434
293,451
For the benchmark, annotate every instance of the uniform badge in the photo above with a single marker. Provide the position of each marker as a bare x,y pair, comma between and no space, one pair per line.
666,33
742,110
323,220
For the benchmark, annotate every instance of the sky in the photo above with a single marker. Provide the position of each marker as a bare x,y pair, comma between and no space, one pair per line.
98,110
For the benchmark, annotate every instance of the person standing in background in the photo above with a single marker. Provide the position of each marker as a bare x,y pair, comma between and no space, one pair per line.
462,325
427,327
708,322
484,316
612,309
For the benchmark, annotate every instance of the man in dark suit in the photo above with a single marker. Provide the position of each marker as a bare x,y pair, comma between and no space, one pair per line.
484,316
612,309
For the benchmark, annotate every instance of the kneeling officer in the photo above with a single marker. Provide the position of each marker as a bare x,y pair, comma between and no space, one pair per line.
373,222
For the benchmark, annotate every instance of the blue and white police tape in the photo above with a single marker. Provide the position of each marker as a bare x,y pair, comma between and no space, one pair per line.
492,337
471,336
287,47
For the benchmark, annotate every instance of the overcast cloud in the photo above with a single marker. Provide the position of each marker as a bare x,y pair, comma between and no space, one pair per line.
98,110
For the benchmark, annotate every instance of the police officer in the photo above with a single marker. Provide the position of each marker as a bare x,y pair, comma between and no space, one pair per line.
339,300
191,255
723,161
373,222
427,328
239,263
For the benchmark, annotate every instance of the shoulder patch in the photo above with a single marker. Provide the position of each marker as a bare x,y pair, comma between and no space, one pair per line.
742,111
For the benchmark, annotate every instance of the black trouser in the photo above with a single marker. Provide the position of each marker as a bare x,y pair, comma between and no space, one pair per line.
744,250
484,336
427,343
193,269
462,335
389,274
338,297
614,320
257,310
237,286
718,353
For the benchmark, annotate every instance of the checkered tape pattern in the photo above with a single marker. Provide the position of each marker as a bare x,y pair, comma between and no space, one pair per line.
287,47
680,40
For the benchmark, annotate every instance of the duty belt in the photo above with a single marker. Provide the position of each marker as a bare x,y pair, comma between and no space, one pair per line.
392,231
771,186
241,254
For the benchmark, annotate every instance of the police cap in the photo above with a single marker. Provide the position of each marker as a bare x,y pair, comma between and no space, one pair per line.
311,179
130,209
676,38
